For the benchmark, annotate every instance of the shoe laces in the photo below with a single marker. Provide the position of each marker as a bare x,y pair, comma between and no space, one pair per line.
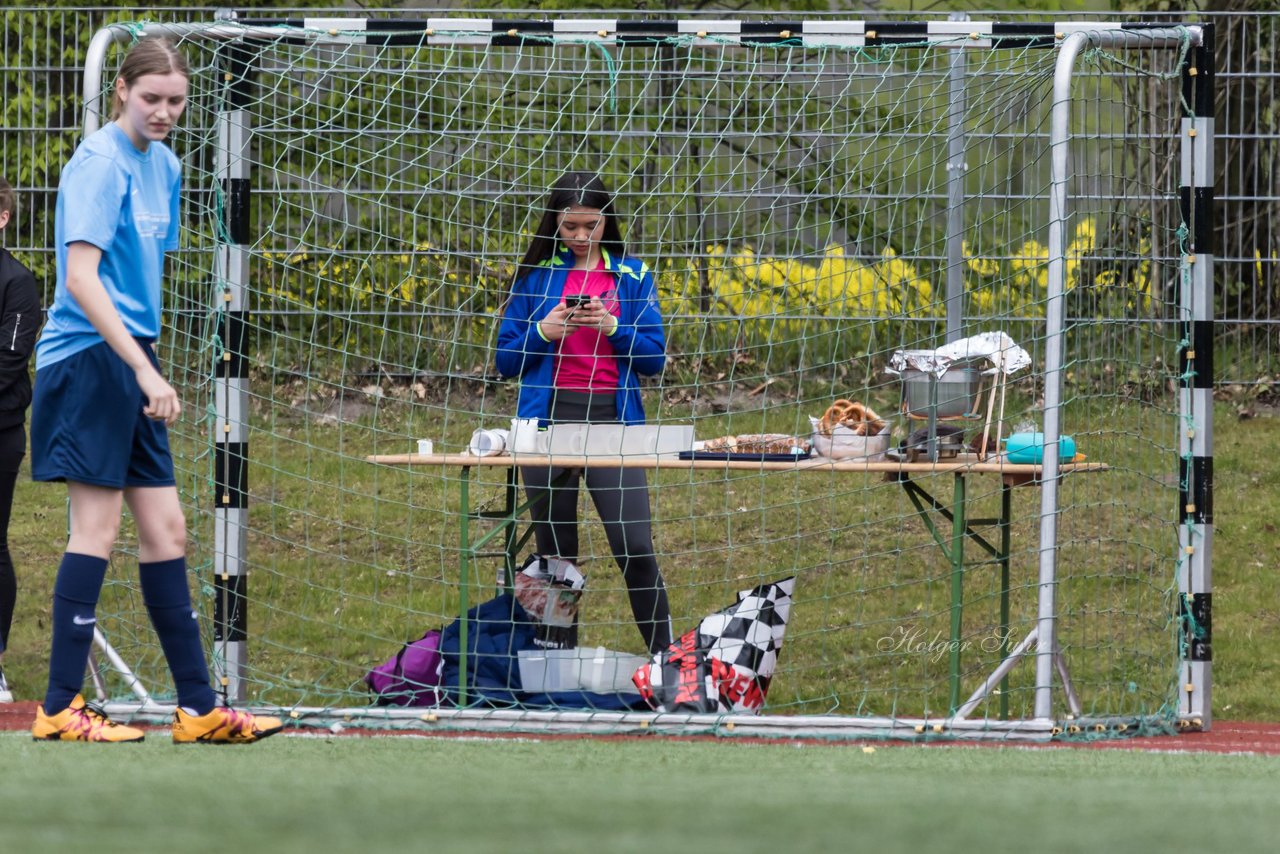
90,720
239,721
95,711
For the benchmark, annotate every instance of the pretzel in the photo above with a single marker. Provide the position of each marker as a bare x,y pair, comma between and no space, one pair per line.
840,412
847,413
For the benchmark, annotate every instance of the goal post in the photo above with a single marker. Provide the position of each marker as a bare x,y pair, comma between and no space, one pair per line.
812,197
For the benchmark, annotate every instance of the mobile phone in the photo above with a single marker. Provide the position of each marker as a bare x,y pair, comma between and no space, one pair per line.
576,300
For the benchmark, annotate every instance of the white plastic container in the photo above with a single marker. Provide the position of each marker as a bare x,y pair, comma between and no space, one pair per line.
526,438
590,668
619,440
608,672
544,670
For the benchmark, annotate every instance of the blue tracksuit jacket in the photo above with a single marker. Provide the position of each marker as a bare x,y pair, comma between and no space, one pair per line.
639,342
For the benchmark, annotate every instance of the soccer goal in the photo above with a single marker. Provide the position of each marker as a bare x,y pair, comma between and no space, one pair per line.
825,206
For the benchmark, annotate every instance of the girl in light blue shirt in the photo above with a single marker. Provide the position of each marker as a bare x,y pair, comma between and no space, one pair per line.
101,408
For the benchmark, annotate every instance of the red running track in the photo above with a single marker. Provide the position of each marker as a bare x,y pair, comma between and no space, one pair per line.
1225,737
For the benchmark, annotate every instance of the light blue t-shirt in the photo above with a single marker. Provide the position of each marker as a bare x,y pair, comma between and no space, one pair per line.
125,202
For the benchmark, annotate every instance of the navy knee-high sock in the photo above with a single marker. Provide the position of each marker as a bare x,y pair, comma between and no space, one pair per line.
164,590
75,599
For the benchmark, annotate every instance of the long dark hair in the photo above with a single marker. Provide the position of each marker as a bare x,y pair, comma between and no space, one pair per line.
572,188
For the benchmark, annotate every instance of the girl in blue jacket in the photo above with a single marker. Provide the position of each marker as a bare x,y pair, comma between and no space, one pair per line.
580,326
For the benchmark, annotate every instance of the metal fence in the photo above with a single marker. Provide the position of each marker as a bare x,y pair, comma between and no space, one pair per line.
43,52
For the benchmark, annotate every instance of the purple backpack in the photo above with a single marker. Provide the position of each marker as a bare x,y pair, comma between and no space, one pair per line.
411,677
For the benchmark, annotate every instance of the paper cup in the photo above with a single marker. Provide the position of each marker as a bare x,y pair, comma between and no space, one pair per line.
425,447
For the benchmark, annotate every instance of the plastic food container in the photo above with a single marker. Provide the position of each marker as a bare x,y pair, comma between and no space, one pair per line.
618,440
1028,448
590,668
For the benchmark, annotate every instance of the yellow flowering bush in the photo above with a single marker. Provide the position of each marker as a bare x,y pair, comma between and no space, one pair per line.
745,285
439,301
1018,284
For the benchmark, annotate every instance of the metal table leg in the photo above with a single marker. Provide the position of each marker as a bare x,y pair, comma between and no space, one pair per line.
958,529
464,578
508,523
1010,656
952,546
1006,548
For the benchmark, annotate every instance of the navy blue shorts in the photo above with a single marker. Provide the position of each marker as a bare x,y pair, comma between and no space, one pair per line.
87,424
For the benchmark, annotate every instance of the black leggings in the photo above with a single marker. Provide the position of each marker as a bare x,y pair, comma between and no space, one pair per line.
13,446
621,497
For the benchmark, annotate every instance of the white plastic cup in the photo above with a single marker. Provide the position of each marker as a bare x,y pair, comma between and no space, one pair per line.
425,447
524,435
487,443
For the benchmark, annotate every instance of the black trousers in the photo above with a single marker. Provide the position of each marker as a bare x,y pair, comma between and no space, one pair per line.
621,497
13,446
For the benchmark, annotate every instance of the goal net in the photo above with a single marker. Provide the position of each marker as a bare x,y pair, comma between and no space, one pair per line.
812,200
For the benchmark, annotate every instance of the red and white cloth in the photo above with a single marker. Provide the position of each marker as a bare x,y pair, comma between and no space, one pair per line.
727,662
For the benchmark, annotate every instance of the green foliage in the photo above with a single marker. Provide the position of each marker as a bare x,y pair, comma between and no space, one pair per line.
421,301
31,103
439,305
665,5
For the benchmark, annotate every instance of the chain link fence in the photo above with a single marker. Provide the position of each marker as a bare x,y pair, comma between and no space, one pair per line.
43,52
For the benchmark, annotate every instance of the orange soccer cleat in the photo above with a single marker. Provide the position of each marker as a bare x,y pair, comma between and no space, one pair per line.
222,726
81,722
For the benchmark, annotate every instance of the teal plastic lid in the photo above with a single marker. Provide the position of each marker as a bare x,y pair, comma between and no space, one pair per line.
1028,448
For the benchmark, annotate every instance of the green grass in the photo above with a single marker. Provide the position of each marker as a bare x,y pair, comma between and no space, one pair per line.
406,794
349,559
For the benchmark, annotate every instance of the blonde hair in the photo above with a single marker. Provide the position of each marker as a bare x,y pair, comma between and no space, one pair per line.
152,55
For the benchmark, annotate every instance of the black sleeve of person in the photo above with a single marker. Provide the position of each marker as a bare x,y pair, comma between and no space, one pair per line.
20,319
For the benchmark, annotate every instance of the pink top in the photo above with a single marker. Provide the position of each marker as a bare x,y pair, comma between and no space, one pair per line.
585,360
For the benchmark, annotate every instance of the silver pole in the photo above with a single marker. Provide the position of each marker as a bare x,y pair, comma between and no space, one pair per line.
1059,141
956,168
1014,656
95,61
118,665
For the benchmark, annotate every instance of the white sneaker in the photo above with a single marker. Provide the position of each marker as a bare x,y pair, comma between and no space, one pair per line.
6,696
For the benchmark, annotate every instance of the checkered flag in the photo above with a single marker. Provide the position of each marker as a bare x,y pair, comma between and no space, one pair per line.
727,662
